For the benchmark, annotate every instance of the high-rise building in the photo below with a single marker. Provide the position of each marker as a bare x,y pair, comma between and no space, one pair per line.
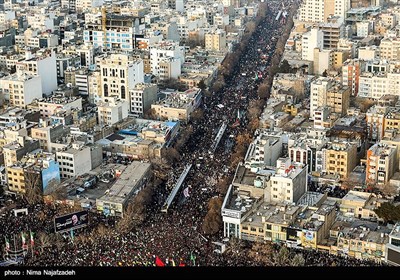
320,10
318,95
119,73
311,40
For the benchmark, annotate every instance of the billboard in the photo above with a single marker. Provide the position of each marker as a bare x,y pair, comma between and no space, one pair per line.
51,175
309,235
71,221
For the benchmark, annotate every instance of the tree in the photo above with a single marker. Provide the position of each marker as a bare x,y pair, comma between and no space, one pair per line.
389,189
33,192
282,257
250,27
253,110
263,91
151,114
262,253
223,185
388,212
135,212
253,125
202,85
298,260
213,220
197,114
243,140
172,155
218,84
44,241
285,67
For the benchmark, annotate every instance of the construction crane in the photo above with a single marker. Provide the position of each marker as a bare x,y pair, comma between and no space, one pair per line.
104,26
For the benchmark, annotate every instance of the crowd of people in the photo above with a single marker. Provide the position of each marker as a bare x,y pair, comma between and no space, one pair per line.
175,237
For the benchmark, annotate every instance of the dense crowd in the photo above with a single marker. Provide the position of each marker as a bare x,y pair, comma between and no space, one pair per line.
176,237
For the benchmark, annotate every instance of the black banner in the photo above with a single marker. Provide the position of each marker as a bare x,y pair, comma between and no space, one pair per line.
291,234
71,221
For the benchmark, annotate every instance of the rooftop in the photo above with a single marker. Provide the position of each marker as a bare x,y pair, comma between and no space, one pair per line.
127,182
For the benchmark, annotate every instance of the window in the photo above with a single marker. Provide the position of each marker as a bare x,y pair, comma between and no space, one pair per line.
269,227
253,229
275,196
288,191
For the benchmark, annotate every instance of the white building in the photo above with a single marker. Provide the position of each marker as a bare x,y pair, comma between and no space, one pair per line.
382,163
169,68
50,105
113,111
363,28
390,48
368,53
21,89
376,85
289,182
311,40
318,94
264,150
141,98
162,50
42,64
319,10
75,161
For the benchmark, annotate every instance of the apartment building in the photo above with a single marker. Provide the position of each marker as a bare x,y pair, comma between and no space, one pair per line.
351,71
74,161
288,184
215,40
42,64
162,50
119,73
318,93
119,34
178,105
21,89
382,163
309,41
141,97
390,48
48,106
113,111
338,98
340,158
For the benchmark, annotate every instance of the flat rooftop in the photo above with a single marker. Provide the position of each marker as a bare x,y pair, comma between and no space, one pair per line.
126,182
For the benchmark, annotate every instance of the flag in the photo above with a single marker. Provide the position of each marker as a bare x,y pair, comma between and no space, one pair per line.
72,235
23,240
159,262
32,240
7,244
186,192
193,258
